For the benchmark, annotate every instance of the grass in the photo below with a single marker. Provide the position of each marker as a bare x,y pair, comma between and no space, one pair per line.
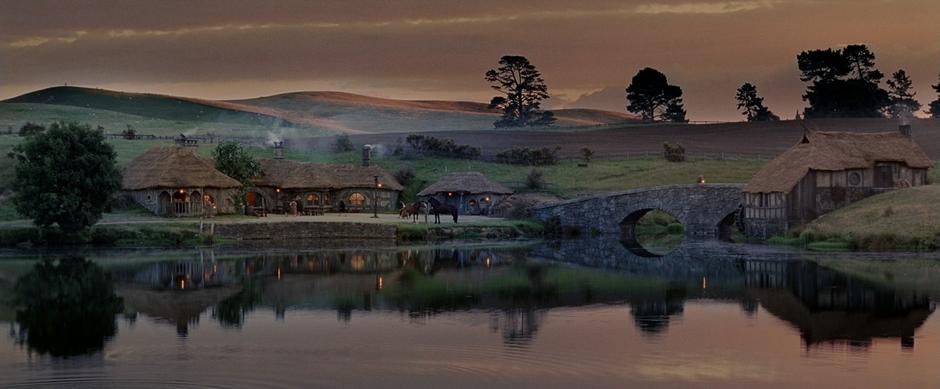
917,275
500,228
901,219
157,120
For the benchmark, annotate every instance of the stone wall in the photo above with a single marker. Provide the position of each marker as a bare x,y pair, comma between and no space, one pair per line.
295,231
700,208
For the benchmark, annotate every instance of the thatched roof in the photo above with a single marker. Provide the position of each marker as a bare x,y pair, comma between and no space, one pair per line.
286,174
174,167
834,151
468,182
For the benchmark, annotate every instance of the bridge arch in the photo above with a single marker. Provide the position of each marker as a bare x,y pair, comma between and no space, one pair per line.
702,209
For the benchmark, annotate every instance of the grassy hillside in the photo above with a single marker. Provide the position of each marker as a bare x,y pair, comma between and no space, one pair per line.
904,218
301,114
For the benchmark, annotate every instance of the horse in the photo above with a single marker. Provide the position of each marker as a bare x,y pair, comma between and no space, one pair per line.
414,210
437,208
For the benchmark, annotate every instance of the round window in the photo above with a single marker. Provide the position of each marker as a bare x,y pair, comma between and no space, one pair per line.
855,178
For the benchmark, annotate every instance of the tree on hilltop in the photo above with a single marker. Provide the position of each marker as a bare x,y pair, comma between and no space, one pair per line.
902,97
934,110
523,89
652,97
753,104
843,83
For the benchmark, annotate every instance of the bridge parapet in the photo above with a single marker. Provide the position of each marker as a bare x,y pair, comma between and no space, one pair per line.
703,209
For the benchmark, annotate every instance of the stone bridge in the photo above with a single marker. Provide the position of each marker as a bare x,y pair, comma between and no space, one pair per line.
706,211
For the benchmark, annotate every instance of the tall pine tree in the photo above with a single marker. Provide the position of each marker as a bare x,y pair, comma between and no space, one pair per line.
902,97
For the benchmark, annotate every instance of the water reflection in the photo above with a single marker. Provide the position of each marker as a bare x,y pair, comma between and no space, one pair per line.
516,287
65,307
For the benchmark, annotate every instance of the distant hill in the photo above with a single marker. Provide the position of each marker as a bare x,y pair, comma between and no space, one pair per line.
295,114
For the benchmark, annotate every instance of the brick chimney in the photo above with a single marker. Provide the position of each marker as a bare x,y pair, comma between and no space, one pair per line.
279,150
366,154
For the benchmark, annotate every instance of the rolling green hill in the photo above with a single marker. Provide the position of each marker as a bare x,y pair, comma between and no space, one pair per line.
300,114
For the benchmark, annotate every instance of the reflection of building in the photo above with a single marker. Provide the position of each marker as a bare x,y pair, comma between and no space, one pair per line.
830,306
174,181
826,171
471,192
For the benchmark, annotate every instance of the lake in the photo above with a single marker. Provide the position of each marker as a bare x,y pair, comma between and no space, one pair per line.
587,313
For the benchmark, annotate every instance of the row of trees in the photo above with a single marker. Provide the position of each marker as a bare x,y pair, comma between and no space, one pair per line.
841,83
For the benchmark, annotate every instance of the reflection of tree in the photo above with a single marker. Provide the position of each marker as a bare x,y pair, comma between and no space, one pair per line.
652,315
66,307
518,326
231,311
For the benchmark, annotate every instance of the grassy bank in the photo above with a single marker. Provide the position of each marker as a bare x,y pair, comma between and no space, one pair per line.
899,220
131,235
496,229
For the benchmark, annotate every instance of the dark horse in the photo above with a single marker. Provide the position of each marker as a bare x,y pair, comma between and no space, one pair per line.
437,209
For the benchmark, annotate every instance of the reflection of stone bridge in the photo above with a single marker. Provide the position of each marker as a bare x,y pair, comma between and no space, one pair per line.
706,211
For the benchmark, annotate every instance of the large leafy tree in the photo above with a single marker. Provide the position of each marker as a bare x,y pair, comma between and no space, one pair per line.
843,83
934,110
233,160
523,90
902,97
652,97
64,176
753,105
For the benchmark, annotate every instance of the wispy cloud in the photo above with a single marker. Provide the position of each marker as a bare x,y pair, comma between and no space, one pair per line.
723,7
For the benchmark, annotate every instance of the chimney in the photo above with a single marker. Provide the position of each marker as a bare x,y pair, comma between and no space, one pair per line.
278,149
904,123
366,154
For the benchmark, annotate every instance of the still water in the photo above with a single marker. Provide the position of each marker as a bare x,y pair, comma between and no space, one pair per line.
574,313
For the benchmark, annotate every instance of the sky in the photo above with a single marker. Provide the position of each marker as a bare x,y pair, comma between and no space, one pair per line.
587,51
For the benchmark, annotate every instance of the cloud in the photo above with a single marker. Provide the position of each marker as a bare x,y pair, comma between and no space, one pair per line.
723,7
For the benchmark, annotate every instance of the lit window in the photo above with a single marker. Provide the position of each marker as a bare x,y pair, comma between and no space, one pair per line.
312,198
357,199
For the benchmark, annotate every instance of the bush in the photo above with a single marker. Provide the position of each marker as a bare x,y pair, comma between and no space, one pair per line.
405,175
29,129
343,144
673,152
586,155
429,145
526,156
535,180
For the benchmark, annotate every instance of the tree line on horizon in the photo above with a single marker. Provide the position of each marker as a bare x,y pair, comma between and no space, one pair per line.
840,83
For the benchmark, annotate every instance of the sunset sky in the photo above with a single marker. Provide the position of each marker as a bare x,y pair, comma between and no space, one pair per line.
438,49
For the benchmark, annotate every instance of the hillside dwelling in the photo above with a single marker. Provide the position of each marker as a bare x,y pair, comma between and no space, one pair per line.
294,187
471,192
827,171
175,181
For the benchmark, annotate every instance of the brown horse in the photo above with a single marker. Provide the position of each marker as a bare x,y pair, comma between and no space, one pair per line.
414,210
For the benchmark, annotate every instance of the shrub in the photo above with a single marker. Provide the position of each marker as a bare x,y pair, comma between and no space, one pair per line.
673,152
429,145
526,156
586,155
129,133
31,129
405,175
675,228
343,144
535,180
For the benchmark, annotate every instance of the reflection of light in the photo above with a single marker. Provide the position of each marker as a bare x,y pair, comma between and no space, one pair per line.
488,261
278,273
358,262
704,283
379,283
183,284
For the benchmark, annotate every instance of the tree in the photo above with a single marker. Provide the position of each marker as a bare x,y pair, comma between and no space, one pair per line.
31,129
233,160
652,97
902,98
65,176
935,105
343,144
753,104
524,90
843,83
